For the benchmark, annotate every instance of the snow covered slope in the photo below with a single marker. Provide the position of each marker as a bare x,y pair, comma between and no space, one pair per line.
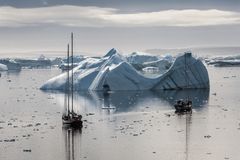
114,70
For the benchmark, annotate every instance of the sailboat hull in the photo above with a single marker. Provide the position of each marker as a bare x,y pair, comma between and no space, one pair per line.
183,107
72,121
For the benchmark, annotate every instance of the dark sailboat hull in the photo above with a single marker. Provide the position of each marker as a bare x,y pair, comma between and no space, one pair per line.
183,106
72,121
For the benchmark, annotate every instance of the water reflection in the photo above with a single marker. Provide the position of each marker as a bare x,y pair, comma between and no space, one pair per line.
186,120
10,72
72,142
13,72
188,127
199,97
127,101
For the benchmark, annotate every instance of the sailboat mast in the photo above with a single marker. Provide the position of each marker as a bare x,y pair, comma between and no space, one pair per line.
68,99
188,121
72,66
185,70
186,75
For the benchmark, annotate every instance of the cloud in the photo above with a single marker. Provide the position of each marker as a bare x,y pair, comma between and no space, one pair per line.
79,16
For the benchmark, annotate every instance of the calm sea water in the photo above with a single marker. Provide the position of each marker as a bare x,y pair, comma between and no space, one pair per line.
121,125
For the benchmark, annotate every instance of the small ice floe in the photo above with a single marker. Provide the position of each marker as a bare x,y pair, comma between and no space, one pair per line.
29,125
9,140
35,129
27,150
28,135
37,124
52,127
224,109
214,93
89,114
168,115
207,136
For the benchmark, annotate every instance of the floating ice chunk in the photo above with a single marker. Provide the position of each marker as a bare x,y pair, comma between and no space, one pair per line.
41,62
150,69
222,61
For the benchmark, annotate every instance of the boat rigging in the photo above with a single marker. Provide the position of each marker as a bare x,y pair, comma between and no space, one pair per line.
71,118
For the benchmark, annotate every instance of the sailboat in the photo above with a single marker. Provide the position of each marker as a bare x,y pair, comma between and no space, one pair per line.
71,117
184,106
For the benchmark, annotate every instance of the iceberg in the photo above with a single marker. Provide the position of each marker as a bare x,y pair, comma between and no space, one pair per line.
3,67
76,60
34,63
40,62
224,61
11,64
113,70
56,61
140,58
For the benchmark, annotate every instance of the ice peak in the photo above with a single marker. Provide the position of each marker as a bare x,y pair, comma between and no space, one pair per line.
188,53
112,52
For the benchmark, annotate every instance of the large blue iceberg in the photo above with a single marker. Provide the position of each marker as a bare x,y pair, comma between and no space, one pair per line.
114,70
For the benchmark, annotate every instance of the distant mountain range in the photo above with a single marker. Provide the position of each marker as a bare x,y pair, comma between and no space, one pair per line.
201,51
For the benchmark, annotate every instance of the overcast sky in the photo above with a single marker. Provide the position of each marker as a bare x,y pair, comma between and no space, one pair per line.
128,25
